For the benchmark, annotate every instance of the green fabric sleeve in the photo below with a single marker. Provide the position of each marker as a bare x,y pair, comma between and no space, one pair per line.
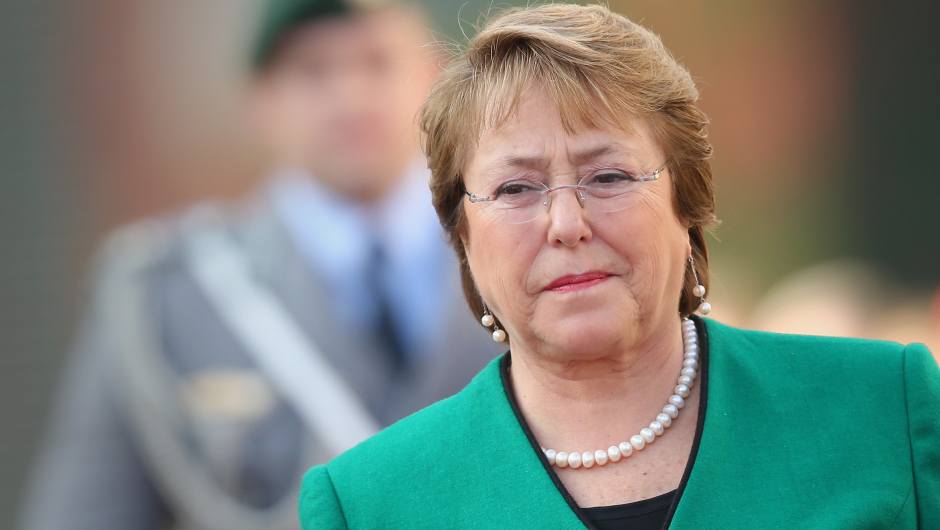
319,505
922,391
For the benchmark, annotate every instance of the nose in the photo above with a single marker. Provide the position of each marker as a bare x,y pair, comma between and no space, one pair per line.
568,217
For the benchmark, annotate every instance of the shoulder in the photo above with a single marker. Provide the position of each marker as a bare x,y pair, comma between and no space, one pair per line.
157,253
159,239
867,382
813,352
818,375
143,273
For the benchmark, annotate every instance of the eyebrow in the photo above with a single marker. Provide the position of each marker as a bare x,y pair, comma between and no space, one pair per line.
541,162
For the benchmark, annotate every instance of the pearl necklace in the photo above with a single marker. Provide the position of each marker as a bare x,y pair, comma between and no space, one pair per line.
657,427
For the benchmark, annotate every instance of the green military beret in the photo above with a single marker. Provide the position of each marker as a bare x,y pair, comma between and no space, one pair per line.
281,16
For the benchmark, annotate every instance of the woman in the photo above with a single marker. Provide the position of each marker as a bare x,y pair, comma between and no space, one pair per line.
570,168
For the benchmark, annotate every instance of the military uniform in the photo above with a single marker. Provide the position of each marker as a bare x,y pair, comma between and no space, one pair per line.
169,414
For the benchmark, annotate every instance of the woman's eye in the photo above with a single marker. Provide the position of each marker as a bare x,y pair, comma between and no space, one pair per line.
611,178
514,188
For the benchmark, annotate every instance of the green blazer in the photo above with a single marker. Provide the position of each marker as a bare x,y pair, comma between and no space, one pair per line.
797,432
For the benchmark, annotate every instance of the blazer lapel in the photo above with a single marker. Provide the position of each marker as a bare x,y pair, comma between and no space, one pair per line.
512,471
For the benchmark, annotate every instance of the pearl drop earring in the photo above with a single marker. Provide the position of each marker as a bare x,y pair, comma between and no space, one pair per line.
699,290
489,320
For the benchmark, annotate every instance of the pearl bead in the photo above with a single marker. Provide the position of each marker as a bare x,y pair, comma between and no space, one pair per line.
648,435
664,418
574,460
625,449
499,335
705,308
677,401
685,380
600,456
671,410
689,372
587,459
657,428
638,442
683,391
690,363
699,290
613,453
550,456
488,320
561,459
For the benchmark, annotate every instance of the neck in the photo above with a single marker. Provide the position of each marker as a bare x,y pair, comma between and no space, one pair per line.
579,401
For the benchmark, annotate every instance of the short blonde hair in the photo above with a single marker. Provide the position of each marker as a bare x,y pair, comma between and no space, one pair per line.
593,64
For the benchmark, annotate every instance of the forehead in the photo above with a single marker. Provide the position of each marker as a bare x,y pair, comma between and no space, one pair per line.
534,135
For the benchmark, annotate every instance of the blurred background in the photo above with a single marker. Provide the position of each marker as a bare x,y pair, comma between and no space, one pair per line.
825,126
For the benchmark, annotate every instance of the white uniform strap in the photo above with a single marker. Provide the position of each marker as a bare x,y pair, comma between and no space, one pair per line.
302,373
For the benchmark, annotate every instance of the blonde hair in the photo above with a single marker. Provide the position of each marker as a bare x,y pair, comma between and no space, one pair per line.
596,66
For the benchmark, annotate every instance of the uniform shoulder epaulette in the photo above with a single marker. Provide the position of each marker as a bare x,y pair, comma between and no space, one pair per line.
155,239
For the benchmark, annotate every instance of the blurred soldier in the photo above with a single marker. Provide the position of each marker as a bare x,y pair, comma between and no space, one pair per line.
229,348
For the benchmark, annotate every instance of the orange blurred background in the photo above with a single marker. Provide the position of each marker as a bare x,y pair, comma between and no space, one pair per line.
824,126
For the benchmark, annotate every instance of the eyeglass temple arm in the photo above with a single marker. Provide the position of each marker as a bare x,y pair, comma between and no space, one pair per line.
477,198
654,175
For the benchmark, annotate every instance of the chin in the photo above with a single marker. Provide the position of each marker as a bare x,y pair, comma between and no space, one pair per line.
582,338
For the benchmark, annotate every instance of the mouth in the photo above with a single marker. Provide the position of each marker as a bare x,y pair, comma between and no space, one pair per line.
577,282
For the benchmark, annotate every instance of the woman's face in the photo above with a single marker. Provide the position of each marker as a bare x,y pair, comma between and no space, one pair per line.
575,282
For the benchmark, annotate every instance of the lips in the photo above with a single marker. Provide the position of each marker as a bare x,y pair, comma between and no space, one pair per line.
576,282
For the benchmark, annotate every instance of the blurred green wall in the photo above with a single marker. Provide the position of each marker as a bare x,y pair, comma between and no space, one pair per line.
42,210
892,179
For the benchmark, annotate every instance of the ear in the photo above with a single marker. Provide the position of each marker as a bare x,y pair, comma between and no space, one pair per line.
688,245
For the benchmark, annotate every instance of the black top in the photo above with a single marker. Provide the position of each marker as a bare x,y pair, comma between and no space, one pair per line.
648,514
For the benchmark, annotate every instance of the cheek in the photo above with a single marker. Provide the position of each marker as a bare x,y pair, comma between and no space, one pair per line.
500,260
652,241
